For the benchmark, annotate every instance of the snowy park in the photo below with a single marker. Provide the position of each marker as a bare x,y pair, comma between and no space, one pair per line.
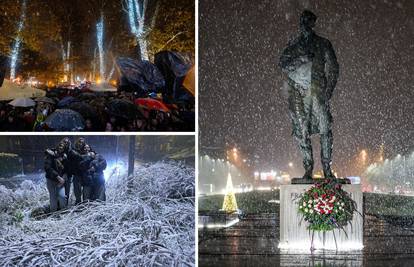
147,218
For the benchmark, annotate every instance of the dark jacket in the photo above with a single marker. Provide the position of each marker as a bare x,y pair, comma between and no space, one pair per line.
92,168
54,165
99,165
74,160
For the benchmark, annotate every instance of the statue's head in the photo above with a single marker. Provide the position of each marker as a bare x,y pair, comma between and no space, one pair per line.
307,21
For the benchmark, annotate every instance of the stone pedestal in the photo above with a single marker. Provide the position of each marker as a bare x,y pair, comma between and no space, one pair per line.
293,232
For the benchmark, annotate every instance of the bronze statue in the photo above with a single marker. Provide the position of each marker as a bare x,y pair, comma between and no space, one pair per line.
312,69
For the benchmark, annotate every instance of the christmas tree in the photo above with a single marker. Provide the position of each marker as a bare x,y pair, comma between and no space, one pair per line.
229,203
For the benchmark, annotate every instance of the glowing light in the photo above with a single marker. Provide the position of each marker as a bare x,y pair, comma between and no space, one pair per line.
364,156
219,225
114,170
229,203
131,16
136,16
98,81
291,164
305,246
16,45
263,188
277,201
99,37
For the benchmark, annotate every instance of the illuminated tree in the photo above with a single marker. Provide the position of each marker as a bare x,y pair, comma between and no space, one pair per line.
16,46
229,203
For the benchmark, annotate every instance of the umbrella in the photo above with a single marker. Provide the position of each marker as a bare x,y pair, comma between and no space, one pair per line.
65,120
86,110
45,99
150,103
22,102
140,75
174,66
122,108
66,101
189,81
87,96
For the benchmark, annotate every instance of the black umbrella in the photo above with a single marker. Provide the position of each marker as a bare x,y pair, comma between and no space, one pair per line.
66,101
65,120
45,99
123,108
86,110
174,66
142,76
87,96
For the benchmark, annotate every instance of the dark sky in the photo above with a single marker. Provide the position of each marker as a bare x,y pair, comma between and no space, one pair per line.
241,96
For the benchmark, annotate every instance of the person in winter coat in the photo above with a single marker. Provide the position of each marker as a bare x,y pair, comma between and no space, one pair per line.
98,165
93,181
55,161
75,157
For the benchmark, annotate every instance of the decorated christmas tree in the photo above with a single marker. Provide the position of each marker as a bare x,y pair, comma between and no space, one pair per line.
229,203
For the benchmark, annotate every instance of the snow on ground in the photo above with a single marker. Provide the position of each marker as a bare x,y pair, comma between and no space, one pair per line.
10,91
146,221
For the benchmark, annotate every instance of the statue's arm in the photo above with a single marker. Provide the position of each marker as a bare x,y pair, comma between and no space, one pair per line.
331,69
290,60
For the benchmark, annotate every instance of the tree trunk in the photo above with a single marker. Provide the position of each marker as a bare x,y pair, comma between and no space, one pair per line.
131,158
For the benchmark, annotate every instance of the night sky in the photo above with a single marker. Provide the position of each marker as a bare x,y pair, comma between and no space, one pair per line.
242,101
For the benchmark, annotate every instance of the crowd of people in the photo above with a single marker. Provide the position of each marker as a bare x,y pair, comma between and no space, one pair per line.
79,165
97,114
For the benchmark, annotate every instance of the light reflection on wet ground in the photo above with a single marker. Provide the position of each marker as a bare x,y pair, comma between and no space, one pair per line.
254,241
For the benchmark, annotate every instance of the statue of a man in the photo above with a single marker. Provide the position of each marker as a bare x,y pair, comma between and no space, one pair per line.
312,69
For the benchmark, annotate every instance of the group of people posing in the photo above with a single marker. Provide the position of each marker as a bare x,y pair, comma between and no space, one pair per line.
78,165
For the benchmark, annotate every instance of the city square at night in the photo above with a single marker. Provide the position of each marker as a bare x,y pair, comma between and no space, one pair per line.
308,157
97,65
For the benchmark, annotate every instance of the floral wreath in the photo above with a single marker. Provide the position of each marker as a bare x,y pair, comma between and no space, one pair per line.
326,206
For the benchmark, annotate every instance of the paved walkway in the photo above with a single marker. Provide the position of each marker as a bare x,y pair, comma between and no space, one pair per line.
254,241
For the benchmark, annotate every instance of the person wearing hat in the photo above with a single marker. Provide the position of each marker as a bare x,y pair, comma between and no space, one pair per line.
312,69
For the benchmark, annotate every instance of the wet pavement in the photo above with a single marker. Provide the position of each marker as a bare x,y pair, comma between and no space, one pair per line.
254,240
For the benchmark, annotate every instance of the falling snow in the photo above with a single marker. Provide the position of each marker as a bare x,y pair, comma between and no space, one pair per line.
241,86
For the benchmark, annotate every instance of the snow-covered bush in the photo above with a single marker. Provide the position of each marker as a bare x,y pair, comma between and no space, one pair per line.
147,220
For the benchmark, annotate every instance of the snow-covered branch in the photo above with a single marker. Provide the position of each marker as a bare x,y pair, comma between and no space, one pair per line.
153,225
